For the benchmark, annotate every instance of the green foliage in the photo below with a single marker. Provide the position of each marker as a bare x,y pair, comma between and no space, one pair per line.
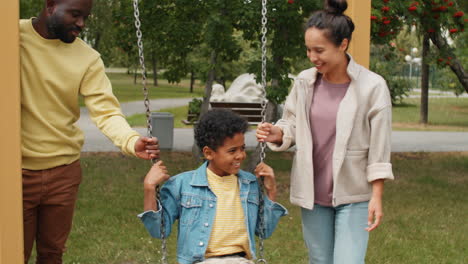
285,34
387,61
385,20
30,8
182,36
194,106
445,79
100,33
428,16
433,19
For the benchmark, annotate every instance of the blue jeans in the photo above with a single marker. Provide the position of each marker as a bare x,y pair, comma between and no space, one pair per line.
336,235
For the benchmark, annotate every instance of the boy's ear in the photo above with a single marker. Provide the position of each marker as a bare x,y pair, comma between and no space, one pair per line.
208,153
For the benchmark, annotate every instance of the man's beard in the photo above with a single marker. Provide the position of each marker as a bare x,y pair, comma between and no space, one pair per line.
59,30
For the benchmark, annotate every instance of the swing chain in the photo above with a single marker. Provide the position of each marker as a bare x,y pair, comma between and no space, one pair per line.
263,73
139,35
261,209
142,64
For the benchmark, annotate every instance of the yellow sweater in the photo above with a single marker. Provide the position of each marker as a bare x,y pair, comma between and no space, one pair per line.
53,75
229,233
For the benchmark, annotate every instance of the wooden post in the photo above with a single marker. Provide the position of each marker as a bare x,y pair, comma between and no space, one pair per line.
11,212
360,12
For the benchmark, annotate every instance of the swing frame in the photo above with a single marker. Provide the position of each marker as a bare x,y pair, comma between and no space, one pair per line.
139,35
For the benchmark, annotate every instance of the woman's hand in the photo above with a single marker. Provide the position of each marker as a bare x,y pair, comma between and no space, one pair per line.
156,175
265,171
375,214
267,132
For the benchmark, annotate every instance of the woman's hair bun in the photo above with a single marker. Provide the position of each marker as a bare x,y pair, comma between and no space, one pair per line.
336,6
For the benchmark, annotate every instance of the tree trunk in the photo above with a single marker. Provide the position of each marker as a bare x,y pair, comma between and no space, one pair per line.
424,81
97,40
455,64
209,84
271,112
135,73
192,80
155,68
206,101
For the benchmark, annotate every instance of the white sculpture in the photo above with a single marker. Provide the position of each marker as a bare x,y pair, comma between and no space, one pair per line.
243,89
217,91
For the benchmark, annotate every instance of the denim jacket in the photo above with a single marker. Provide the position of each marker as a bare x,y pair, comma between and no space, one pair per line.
188,198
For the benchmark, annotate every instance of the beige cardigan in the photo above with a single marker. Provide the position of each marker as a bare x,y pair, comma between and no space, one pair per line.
363,137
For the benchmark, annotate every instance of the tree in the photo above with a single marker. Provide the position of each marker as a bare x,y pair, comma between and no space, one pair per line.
99,31
285,32
30,8
158,27
184,37
436,21
218,35
285,25
387,61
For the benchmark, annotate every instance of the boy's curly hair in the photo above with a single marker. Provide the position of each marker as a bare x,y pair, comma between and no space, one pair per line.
216,125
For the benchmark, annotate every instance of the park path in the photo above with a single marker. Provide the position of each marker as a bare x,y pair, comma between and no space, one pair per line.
131,108
95,141
438,94
402,141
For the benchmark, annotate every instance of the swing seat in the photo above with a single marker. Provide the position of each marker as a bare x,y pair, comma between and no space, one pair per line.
252,112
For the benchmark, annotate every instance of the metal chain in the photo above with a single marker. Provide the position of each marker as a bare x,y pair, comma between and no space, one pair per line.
142,64
148,116
261,208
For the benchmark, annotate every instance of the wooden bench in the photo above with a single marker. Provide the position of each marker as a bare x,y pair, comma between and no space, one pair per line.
252,112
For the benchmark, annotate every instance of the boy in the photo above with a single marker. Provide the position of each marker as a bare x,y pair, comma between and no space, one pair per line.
216,204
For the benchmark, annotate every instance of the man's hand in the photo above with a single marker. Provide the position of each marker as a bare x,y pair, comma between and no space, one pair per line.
147,148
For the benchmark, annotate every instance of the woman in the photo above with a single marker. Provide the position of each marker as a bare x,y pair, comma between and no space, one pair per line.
338,116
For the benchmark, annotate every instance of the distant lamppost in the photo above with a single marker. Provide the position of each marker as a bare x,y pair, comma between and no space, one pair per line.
410,59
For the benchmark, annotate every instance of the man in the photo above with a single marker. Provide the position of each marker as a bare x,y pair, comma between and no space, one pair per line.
57,67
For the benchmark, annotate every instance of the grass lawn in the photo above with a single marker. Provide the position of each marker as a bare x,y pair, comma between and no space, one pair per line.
426,208
180,113
126,91
445,114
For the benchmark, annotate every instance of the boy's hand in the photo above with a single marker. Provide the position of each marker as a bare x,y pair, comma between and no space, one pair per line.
156,175
265,171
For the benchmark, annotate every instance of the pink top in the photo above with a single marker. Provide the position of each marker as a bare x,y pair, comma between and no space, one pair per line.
324,108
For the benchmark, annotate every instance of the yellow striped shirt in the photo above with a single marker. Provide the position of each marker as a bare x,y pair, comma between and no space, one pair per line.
229,232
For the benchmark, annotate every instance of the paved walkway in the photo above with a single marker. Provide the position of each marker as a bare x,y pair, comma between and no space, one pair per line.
438,94
402,141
